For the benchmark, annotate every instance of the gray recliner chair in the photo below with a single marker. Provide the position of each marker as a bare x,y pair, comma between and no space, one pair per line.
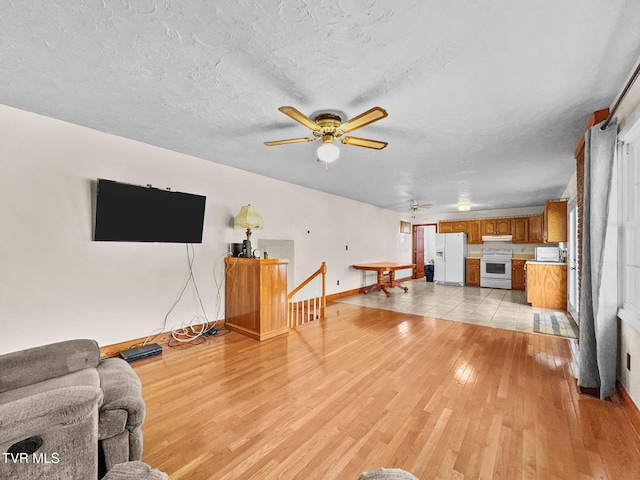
65,413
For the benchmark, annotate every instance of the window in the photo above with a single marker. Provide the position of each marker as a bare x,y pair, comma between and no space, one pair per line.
629,257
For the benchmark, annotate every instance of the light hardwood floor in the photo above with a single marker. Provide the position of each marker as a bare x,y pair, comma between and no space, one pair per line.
369,388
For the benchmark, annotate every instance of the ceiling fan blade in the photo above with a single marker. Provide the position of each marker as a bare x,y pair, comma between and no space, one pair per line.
291,140
364,142
416,207
300,117
370,116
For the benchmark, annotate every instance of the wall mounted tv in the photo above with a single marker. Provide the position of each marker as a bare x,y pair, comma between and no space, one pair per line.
132,213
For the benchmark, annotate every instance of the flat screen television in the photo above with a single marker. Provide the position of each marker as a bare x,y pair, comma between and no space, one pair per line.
132,213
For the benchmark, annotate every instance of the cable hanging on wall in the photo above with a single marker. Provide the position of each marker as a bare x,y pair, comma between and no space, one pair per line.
199,324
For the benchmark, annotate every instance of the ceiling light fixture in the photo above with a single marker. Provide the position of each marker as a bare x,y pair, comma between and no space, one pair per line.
328,152
464,207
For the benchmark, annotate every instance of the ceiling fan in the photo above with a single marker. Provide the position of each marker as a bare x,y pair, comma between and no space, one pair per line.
416,207
328,127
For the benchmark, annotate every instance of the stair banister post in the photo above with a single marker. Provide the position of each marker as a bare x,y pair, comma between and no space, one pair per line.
323,302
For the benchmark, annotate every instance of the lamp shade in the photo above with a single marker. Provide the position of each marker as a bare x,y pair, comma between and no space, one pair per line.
328,152
248,218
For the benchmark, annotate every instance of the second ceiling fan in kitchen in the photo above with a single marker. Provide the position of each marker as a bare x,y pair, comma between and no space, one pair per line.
415,206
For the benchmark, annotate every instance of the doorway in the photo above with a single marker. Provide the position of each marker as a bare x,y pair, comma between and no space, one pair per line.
424,239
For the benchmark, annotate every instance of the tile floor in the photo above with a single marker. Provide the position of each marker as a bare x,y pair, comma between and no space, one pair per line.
491,307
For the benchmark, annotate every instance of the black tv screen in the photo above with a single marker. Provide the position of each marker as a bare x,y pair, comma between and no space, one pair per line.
132,213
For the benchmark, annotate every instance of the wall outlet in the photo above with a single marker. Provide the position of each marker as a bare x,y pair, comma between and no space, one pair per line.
346,247
338,282
629,361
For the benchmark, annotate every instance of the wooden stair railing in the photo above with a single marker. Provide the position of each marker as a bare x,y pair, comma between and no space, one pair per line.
314,305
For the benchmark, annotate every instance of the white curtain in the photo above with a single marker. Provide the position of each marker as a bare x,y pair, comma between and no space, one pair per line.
599,284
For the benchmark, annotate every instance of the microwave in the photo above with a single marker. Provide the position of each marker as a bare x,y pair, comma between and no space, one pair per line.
547,254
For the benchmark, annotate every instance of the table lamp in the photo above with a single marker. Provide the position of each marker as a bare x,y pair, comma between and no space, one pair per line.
248,218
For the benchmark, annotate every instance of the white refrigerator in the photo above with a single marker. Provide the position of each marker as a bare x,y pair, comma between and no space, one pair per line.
451,254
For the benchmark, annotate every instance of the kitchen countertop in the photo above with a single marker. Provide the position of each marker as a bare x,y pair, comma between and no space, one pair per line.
534,262
522,256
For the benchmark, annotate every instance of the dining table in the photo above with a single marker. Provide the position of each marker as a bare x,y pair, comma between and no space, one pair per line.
386,275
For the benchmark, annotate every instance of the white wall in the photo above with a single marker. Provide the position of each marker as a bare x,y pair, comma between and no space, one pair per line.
571,190
56,283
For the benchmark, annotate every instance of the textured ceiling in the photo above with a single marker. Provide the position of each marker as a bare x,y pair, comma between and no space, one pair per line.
486,99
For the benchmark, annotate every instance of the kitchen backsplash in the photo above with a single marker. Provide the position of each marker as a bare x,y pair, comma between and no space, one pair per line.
518,248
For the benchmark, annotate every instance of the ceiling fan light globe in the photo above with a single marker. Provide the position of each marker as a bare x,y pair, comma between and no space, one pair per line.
328,152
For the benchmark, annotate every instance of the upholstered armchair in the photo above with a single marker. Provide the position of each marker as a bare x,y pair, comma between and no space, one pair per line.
121,413
64,413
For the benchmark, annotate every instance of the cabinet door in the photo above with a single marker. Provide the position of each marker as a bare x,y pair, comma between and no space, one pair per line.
535,229
474,231
488,227
473,272
518,274
460,227
555,221
520,230
503,226
445,227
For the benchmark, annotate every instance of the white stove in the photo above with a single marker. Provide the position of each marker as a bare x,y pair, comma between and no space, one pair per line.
495,268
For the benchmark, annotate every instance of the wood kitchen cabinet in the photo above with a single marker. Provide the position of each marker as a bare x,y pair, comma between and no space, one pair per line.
472,272
474,233
503,226
520,230
488,227
531,229
546,285
535,229
459,227
256,297
518,274
496,226
555,222
445,227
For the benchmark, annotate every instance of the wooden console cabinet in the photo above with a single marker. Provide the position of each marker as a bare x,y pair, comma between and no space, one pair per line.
256,297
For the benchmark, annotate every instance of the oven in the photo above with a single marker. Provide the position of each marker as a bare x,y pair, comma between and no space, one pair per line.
495,268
